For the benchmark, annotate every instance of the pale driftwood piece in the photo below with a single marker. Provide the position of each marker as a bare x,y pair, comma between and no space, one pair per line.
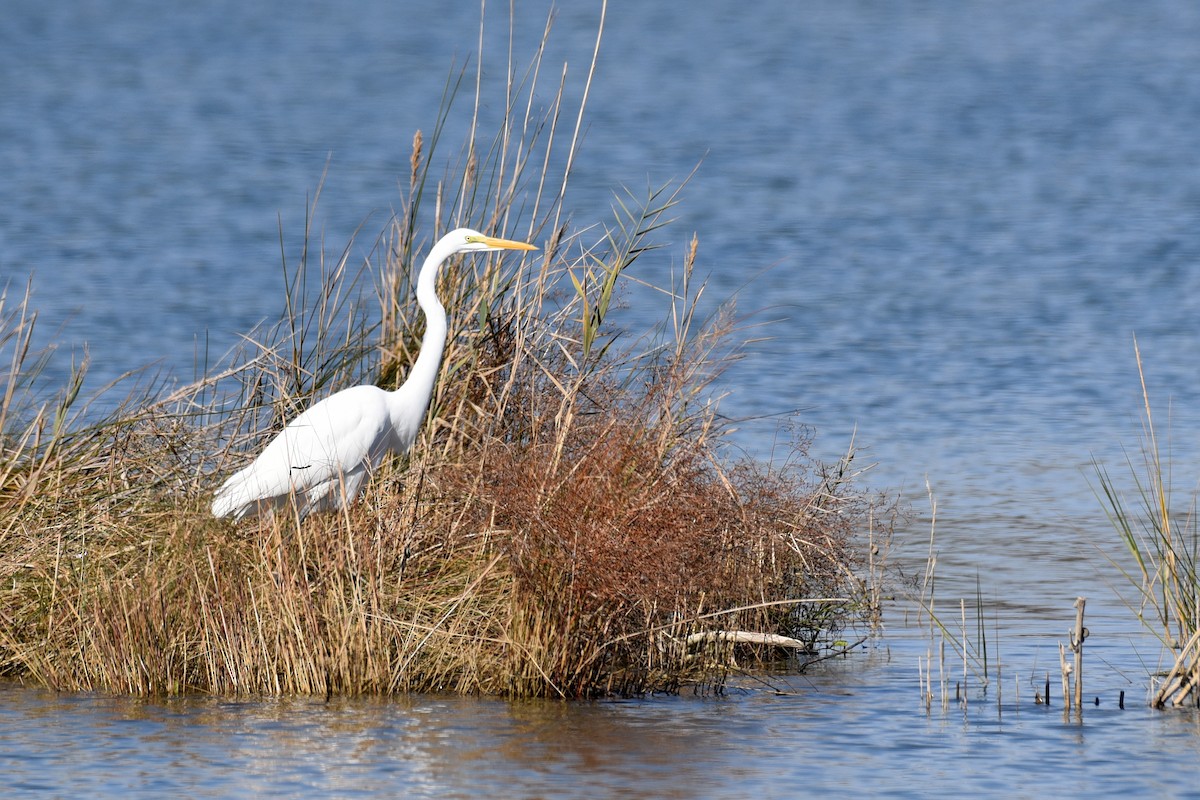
746,637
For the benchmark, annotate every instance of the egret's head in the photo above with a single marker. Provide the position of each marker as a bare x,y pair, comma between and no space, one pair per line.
466,240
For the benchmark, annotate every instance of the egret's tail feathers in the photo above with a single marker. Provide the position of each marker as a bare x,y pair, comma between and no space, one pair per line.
236,499
243,495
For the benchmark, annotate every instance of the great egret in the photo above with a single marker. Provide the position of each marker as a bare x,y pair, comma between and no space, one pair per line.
324,456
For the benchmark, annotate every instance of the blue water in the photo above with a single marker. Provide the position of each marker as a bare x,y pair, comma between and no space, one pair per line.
754,743
951,218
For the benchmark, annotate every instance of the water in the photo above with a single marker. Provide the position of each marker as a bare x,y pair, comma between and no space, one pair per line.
772,745
954,217
843,729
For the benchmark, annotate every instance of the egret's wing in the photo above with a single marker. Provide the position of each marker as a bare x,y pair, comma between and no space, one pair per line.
326,442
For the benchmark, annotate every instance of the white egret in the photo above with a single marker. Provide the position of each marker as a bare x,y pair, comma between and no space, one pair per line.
324,456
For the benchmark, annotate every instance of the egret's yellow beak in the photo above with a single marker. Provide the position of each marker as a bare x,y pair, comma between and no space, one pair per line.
506,244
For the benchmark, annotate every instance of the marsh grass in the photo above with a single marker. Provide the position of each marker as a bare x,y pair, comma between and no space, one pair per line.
569,517
1164,545
967,640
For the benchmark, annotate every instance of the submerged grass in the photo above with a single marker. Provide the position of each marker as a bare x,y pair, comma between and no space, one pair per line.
569,524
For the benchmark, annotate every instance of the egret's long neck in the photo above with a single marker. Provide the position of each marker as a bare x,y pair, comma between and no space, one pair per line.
424,372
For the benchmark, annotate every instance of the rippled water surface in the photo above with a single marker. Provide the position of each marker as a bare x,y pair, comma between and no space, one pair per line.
857,727
952,218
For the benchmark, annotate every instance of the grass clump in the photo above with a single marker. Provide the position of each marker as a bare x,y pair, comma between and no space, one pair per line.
1164,546
569,524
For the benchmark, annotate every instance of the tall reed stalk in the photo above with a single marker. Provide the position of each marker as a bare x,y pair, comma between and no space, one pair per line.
568,521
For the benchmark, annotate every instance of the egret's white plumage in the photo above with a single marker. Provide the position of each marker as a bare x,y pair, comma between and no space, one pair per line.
324,456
